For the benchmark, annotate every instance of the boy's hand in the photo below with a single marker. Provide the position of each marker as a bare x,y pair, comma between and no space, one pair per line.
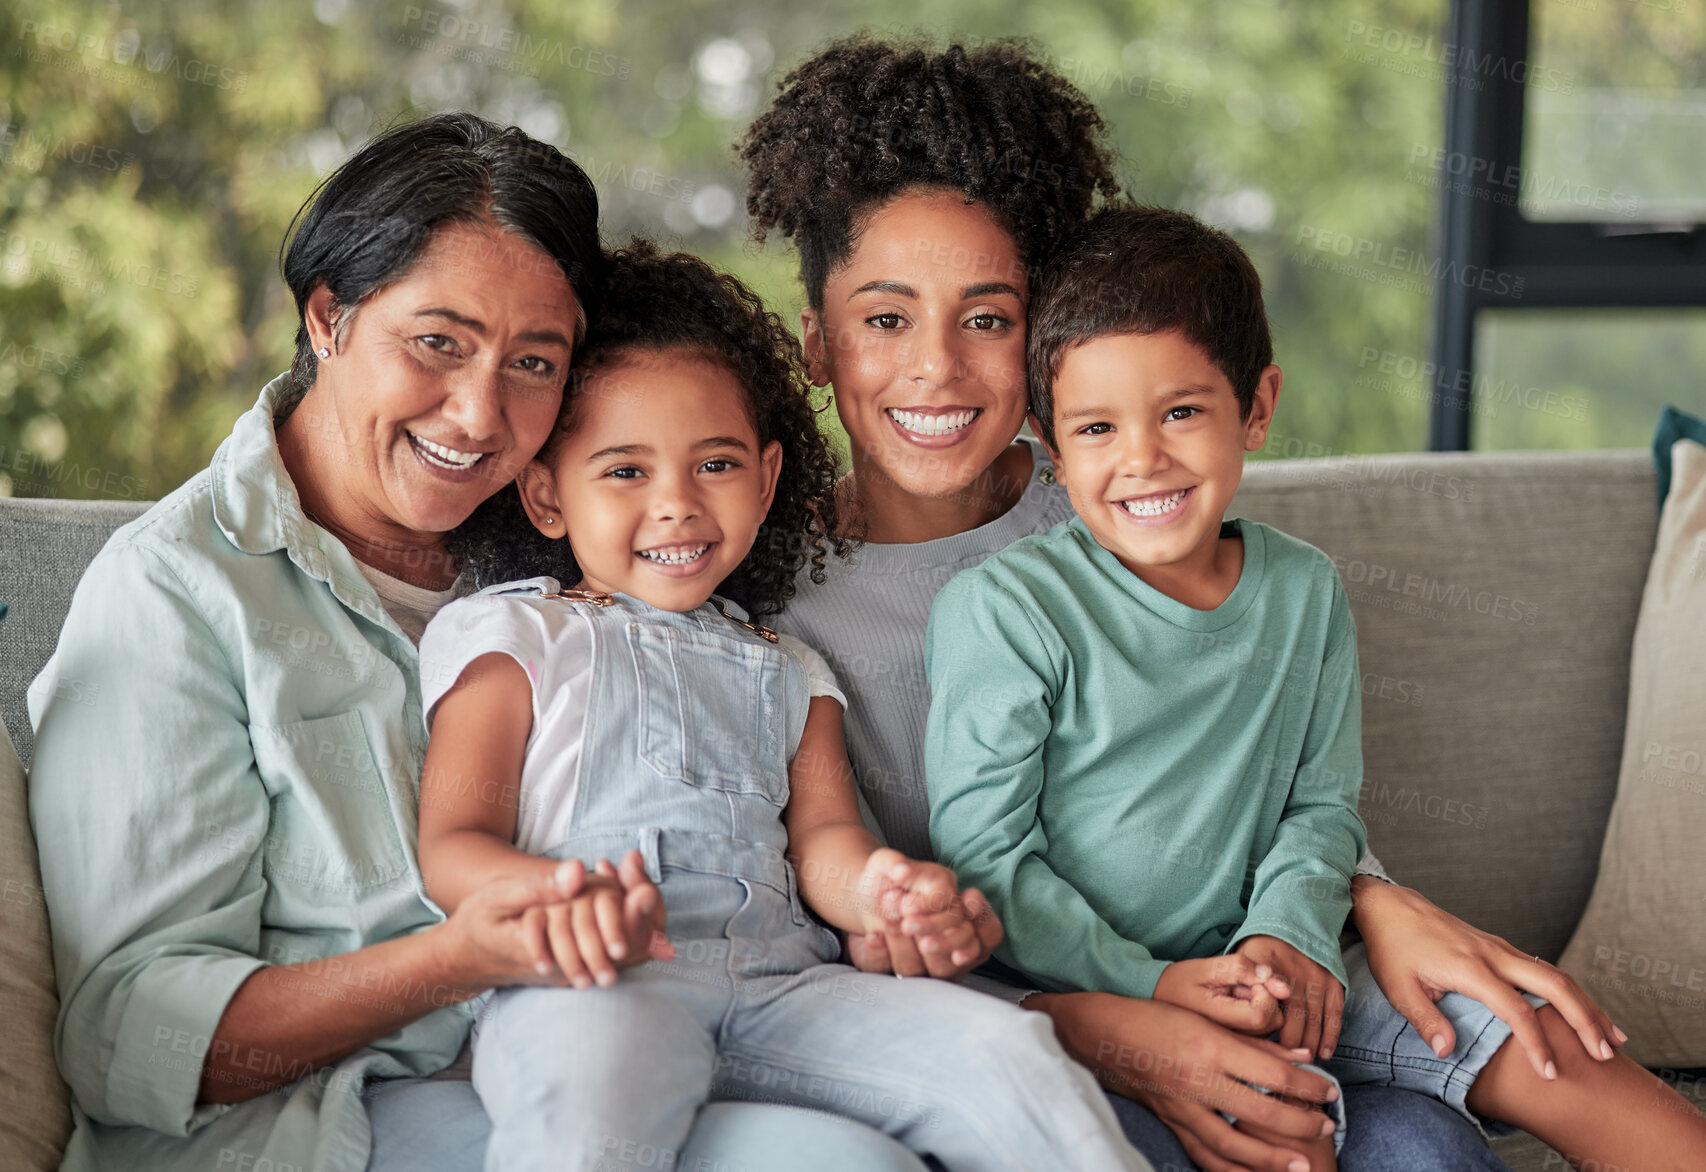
1234,991
924,922
1315,1001
616,921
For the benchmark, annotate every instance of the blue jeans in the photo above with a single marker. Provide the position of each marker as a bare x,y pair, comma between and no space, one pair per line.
1386,1130
613,1077
1379,1047
421,1125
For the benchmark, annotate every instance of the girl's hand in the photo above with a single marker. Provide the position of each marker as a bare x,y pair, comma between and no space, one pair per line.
1314,1001
921,923
1186,1070
1419,953
500,934
615,922
1233,991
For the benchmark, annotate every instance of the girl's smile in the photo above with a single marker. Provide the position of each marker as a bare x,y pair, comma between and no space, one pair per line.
659,479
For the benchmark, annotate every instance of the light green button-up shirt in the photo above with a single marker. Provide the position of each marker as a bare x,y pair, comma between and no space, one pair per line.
228,754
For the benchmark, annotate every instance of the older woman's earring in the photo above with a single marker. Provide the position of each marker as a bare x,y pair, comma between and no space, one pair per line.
325,353
550,520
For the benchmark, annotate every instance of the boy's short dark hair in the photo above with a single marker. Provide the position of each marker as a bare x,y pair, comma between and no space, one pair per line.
1146,270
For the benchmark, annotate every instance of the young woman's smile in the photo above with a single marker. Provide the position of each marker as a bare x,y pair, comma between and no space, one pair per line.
922,333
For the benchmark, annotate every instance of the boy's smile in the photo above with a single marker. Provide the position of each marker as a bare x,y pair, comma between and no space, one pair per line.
1151,450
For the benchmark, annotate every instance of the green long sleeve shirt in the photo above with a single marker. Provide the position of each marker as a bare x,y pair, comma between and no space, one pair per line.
1132,781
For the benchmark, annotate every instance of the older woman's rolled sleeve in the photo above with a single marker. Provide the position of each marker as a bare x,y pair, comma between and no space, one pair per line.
152,821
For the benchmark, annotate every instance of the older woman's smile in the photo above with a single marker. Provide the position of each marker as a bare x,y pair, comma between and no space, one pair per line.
442,385
441,458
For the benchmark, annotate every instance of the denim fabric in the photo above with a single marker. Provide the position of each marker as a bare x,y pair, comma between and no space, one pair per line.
1335,1109
1386,1130
421,1125
691,723
1378,1046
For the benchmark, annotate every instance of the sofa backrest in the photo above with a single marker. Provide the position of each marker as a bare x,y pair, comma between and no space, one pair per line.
1495,598
45,545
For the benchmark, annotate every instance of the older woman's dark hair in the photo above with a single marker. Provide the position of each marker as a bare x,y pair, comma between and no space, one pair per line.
657,303
862,121
368,223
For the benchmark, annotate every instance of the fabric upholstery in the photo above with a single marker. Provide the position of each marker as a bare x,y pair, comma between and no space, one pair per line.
47,545
1495,602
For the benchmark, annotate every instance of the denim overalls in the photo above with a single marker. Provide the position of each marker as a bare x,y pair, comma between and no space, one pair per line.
691,723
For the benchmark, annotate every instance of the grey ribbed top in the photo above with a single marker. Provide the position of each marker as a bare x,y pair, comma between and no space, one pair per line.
868,620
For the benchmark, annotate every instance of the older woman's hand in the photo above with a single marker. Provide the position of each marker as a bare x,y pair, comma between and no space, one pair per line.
1419,953
505,932
1186,1070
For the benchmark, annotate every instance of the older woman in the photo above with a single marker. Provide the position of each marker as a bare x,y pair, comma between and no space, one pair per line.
250,971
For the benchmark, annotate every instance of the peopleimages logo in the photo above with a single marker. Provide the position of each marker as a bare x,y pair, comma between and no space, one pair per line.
1413,261
1485,390
1470,66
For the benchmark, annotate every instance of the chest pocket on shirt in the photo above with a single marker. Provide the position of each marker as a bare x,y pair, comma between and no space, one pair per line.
711,710
332,831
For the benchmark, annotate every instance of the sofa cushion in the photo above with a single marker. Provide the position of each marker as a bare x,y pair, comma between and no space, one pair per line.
35,1111
1495,601
1641,947
58,540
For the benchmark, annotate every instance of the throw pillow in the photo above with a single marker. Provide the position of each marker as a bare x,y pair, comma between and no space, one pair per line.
35,1110
1640,949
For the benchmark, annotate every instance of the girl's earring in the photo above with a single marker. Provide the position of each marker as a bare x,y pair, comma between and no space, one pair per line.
550,520
827,404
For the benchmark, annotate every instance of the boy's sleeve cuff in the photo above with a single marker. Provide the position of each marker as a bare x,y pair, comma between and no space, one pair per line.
1371,866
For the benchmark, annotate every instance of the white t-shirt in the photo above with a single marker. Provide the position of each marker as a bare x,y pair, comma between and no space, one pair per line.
412,607
552,641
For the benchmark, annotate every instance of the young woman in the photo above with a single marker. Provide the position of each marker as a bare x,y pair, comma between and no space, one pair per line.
922,190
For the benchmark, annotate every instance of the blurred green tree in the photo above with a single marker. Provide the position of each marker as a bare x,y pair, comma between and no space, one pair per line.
152,155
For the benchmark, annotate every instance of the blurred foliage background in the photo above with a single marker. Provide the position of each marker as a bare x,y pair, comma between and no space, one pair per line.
152,155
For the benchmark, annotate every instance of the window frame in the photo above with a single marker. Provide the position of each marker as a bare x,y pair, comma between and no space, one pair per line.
1562,264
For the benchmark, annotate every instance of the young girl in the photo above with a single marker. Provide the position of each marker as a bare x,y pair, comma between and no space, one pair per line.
642,716
922,189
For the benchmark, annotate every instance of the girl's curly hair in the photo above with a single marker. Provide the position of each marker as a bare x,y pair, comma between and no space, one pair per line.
656,302
863,120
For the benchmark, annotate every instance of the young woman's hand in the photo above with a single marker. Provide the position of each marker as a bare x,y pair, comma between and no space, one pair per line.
919,922
1419,953
525,930
1314,1001
1234,991
1186,1070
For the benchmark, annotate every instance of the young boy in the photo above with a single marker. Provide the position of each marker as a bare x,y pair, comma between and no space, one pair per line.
1144,740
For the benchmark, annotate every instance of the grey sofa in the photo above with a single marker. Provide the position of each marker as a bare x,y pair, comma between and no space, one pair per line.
1495,598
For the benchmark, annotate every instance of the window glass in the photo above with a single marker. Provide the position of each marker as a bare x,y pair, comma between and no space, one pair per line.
1616,112
1583,378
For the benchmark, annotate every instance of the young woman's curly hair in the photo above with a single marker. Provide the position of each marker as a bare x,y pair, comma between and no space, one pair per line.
863,120
658,302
